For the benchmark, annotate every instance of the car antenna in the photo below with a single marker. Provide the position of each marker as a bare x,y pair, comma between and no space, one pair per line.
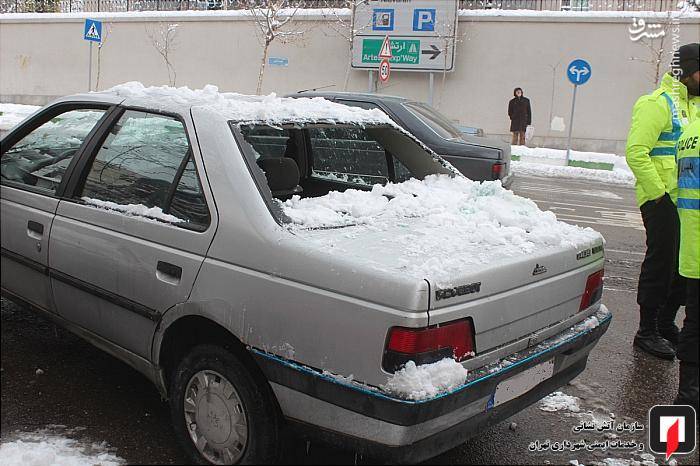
315,88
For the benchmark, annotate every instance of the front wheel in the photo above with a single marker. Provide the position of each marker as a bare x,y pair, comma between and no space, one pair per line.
220,414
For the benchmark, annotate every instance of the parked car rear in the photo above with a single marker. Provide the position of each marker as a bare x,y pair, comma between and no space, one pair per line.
476,157
270,262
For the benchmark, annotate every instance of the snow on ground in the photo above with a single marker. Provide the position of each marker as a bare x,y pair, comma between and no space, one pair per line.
560,401
616,176
541,161
560,155
427,380
12,114
47,448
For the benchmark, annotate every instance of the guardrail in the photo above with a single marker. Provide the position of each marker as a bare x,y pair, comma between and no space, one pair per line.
66,6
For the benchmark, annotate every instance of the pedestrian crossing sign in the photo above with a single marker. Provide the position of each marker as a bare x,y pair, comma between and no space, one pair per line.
93,30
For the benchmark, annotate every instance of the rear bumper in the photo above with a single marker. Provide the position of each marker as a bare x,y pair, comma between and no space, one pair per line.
378,425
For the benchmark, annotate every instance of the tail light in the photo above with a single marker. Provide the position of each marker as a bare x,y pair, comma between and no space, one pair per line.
428,344
498,170
594,290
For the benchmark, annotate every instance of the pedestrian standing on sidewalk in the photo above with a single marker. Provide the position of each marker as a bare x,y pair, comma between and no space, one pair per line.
657,122
688,203
520,116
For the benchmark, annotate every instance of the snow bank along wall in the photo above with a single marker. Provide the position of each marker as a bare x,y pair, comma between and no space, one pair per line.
44,56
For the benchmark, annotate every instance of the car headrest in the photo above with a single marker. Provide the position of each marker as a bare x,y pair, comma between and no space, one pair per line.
282,175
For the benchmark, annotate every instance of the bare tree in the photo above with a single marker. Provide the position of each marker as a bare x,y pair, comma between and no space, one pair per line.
345,26
162,37
272,18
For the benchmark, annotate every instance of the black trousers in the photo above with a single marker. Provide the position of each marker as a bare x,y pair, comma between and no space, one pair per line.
687,350
661,289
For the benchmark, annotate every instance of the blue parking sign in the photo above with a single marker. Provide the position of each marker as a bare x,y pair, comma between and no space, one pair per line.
383,19
424,19
93,30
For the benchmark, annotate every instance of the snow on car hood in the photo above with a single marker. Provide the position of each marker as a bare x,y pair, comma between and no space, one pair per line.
436,229
248,108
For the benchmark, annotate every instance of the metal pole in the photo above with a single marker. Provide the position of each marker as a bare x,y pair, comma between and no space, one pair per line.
431,89
370,82
571,126
90,69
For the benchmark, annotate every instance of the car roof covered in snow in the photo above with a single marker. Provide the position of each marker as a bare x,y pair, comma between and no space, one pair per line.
269,109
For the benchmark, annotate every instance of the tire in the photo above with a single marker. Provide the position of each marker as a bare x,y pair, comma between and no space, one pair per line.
233,427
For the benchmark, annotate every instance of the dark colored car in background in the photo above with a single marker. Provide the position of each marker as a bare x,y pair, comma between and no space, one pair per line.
478,158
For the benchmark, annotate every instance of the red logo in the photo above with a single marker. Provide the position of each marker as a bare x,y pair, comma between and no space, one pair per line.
672,430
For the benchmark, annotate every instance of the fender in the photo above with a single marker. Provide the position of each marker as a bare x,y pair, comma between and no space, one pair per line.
218,311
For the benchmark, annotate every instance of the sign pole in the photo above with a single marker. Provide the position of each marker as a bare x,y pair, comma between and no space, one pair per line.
431,89
571,124
370,82
90,69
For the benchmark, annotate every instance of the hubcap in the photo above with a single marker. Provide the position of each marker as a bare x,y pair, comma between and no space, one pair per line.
215,418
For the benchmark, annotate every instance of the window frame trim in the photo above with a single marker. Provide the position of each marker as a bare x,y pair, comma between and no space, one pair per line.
79,176
45,115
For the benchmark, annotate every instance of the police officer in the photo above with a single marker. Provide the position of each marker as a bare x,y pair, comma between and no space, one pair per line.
657,122
688,202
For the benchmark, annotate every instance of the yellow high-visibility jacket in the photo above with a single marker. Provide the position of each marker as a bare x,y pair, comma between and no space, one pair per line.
688,201
657,122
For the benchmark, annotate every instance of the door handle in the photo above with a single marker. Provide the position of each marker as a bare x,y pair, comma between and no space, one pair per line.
168,272
35,230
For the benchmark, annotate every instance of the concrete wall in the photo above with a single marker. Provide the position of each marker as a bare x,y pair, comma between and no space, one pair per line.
43,57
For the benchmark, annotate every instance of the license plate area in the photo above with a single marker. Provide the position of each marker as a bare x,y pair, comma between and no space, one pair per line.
521,383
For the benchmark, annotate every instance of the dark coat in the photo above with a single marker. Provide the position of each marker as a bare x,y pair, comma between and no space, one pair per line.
519,113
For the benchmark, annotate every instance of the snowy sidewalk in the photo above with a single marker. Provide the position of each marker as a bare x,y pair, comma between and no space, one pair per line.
594,166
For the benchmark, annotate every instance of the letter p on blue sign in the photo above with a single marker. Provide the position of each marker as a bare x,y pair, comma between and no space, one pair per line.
424,19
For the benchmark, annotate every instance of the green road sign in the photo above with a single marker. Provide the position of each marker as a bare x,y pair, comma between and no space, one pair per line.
403,51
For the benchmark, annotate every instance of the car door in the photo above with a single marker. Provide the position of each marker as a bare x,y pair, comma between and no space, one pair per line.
131,235
34,159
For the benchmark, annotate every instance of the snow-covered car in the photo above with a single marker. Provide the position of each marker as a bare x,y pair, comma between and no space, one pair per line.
272,262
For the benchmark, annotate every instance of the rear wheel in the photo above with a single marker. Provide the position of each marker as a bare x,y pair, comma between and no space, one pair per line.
220,414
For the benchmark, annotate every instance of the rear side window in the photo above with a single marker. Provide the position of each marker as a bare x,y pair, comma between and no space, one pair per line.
349,154
40,159
145,167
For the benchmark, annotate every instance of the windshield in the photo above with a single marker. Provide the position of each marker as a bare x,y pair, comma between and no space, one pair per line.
435,120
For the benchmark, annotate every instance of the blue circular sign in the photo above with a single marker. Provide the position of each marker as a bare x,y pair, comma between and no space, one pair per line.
579,71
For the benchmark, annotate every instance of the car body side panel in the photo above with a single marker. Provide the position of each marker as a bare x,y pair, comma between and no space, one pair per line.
25,251
314,327
104,267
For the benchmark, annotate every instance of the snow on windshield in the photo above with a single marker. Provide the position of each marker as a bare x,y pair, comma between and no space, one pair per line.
437,227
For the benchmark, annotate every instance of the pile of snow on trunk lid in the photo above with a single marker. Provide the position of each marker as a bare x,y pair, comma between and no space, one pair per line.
439,227
427,380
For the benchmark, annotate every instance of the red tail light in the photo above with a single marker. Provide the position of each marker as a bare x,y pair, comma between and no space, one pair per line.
429,344
593,291
498,170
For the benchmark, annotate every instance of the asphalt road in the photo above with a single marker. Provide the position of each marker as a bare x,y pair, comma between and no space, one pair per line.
81,387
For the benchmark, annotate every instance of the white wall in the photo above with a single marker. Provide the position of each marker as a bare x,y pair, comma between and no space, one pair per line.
44,56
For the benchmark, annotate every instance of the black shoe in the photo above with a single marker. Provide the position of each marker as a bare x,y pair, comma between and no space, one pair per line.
688,385
670,333
652,343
